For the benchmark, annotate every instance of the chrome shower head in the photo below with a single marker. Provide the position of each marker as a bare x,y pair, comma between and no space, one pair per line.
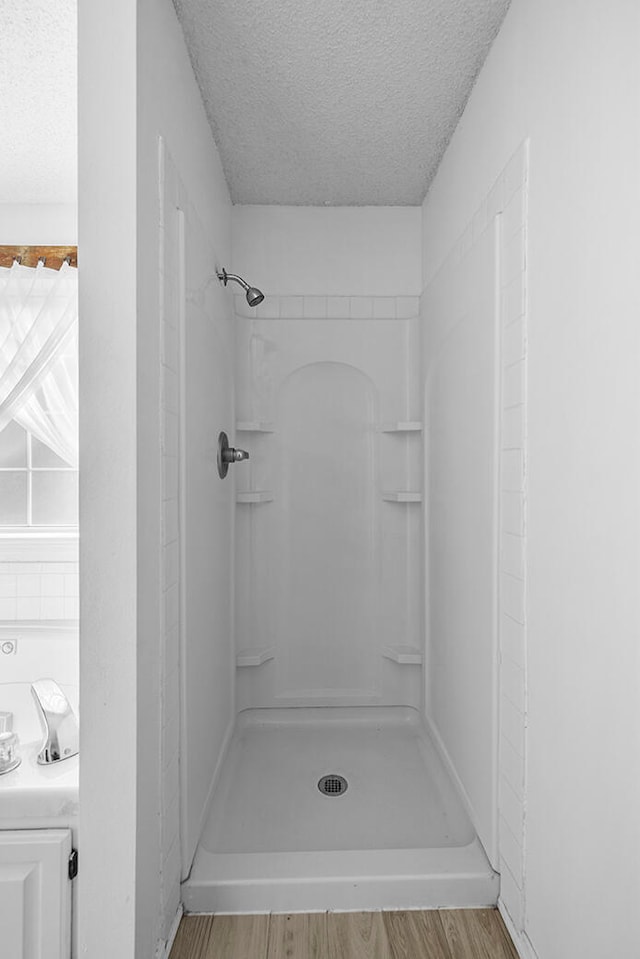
253,294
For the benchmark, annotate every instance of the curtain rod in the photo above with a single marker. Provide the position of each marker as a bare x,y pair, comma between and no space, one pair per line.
53,256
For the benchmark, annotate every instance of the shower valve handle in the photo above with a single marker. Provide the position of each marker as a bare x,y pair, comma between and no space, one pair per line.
227,454
231,455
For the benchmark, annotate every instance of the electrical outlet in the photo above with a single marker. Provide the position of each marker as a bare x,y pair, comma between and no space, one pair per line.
9,647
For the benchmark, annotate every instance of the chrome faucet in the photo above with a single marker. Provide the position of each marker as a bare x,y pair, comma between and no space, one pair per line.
60,723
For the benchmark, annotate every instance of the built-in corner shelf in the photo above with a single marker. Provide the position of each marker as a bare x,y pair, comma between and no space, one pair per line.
403,655
255,657
402,426
254,496
254,426
401,496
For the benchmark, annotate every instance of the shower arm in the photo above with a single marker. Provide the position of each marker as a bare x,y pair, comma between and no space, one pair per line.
224,278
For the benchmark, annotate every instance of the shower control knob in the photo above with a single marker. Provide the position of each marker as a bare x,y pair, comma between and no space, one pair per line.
235,456
227,454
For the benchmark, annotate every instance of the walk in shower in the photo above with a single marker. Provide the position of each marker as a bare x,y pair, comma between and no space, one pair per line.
330,792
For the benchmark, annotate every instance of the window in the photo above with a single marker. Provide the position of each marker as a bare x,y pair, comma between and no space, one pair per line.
37,488
38,398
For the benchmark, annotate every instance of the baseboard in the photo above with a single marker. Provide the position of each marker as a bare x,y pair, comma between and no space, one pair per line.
164,946
520,940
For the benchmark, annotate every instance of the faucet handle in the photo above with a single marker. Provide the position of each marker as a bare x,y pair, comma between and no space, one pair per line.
228,454
60,723
6,722
235,456
9,753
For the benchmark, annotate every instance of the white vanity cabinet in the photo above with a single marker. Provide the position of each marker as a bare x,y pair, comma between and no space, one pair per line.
35,894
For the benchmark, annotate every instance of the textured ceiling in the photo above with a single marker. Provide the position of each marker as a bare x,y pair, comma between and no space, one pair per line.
38,79
335,101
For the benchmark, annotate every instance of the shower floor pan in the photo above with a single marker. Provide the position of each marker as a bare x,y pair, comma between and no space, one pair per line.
397,837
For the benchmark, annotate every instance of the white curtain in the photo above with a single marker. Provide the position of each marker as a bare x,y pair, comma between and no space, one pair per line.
39,354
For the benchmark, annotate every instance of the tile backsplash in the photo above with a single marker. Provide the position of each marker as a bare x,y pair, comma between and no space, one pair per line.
38,591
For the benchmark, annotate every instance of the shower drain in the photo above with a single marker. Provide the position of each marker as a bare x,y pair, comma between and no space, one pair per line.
333,785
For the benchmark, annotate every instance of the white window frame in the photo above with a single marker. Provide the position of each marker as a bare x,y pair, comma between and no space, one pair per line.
39,544
43,544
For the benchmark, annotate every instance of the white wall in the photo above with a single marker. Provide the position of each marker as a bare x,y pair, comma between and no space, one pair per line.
131,881
169,105
38,224
328,251
567,76
108,498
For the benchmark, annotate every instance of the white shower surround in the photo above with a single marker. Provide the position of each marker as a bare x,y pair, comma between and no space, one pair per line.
328,384
483,279
327,569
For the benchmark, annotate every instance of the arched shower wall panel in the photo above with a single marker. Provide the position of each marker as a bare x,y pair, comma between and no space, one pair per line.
326,534
327,570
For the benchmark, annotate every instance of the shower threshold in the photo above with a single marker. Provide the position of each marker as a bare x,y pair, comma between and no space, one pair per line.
397,837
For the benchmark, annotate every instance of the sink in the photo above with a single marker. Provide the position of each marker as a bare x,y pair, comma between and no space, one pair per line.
35,796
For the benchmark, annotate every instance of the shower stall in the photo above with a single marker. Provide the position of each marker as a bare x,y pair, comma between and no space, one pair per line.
423,577
331,787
